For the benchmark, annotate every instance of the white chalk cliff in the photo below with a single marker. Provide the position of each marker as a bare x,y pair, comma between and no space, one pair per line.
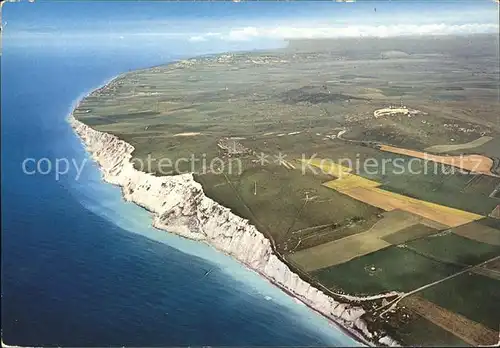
180,206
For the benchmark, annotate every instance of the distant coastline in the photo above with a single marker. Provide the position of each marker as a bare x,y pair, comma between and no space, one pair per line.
111,153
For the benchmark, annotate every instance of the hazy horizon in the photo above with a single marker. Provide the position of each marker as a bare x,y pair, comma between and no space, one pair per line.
198,27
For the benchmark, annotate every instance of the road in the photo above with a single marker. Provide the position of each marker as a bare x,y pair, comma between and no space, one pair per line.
392,305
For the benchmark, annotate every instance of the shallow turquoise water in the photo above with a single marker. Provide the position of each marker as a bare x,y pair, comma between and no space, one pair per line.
83,267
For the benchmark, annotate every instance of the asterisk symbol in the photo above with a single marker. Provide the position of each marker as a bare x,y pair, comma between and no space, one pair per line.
279,158
262,158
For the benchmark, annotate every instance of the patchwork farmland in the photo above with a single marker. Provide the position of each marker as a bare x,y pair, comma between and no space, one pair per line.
423,226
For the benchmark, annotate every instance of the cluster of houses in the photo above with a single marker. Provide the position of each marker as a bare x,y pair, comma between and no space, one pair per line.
458,128
232,148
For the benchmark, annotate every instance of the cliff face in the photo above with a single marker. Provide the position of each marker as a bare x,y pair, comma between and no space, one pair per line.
180,206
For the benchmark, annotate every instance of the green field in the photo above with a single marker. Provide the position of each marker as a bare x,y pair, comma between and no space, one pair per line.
409,233
490,222
436,186
257,194
395,269
471,295
420,332
327,233
454,249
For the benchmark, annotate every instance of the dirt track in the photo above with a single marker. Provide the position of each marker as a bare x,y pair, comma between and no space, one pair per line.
455,147
471,163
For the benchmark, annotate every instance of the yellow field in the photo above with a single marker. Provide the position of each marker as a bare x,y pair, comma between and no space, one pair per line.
367,191
350,181
389,201
345,179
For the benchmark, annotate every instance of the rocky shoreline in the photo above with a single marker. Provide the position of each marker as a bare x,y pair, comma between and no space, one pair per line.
180,206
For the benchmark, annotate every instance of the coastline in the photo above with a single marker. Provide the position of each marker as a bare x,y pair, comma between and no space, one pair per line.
179,206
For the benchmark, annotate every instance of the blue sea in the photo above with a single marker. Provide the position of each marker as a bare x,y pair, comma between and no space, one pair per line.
81,267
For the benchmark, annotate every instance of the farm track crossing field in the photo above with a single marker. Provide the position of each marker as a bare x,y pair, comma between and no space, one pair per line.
469,331
392,268
486,271
493,265
491,269
318,235
471,295
350,247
